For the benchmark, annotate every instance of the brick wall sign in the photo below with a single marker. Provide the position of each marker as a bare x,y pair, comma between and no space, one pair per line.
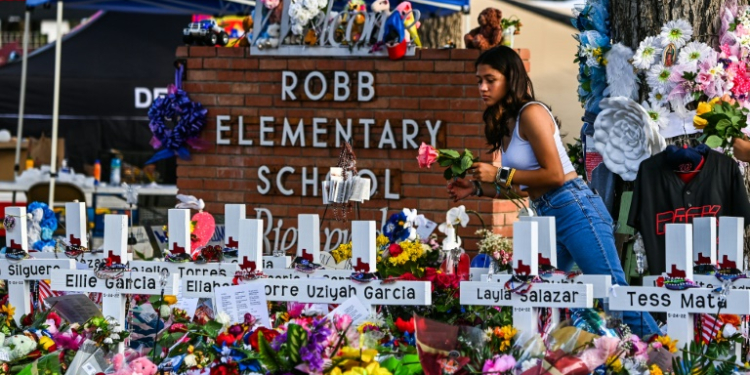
276,125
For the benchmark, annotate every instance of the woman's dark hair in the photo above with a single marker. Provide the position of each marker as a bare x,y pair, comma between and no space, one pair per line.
520,91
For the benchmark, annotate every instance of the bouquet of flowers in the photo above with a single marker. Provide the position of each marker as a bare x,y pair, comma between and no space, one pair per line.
498,247
722,120
455,163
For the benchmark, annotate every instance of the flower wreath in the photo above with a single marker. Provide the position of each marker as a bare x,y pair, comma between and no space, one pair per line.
42,223
189,119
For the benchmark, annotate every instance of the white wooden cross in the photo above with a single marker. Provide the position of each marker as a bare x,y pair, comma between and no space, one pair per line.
308,247
114,290
19,273
249,250
75,233
681,305
319,288
730,253
233,213
541,295
179,242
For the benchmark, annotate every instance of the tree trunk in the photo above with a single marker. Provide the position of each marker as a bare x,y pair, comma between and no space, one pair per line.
634,20
436,32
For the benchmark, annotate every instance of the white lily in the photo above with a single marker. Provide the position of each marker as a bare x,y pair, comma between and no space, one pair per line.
458,215
451,240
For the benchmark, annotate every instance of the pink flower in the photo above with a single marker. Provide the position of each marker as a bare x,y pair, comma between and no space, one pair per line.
608,345
656,345
499,364
640,347
427,155
343,322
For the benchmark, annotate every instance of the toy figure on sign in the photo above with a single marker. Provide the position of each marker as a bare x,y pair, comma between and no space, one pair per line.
489,33
394,36
354,7
411,23
381,6
205,32
247,25
270,39
203,223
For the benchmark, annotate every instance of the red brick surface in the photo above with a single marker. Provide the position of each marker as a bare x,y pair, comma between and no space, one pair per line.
430,86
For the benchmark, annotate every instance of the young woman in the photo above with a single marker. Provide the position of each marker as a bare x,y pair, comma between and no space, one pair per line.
535,164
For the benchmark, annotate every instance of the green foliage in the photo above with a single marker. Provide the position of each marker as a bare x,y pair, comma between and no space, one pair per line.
269,357
725,122
408,365
296,339
456,164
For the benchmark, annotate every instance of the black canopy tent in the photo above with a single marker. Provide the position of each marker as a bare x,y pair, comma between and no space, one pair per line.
102,65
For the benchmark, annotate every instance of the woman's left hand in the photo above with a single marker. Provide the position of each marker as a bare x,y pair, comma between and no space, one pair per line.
483,172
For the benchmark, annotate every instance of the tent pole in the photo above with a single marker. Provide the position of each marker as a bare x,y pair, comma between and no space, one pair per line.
22,99
56,104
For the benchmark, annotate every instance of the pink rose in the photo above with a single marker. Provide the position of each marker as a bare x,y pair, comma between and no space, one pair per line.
640,347
427,155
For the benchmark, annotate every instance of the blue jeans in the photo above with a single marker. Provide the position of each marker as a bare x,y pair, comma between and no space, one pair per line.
585,236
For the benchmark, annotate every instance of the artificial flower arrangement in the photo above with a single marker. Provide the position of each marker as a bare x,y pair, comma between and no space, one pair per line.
592,22
456,164
498,247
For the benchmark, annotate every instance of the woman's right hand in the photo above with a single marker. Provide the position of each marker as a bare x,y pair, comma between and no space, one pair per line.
460,189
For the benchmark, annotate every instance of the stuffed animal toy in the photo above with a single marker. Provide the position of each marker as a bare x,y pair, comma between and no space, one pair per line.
247,26
271,37
22,346
489,33
381,6
143,366
410,22
354,6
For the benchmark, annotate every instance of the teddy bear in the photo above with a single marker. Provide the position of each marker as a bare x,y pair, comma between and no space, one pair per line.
489,33
21,346
247,25
138,366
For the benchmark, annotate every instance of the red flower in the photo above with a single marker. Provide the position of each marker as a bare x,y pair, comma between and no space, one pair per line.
660,281
395,249
405,325
446,281
268,334
177,327
225,369
225,339
27,320
429,274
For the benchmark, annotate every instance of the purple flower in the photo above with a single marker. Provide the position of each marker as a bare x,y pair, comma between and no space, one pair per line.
278,341
312,353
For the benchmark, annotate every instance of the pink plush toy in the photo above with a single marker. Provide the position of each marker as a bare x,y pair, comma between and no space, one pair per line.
138,366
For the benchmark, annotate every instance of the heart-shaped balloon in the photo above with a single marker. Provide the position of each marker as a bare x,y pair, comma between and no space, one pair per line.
205,226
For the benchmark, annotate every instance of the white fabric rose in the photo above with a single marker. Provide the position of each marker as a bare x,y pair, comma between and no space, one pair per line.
625,137
223,318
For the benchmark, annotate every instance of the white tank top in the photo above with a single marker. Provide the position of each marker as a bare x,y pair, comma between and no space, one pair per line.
519,154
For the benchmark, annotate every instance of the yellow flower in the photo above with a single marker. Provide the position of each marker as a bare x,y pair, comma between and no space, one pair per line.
720,337
704,107
365,325
336,371
655,370
170,300
616,365
342,252
699,122
668,343
9,311
46,342
381,241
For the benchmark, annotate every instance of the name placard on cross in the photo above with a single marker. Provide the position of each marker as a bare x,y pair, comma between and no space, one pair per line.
318,288
526,258
20,272
680,305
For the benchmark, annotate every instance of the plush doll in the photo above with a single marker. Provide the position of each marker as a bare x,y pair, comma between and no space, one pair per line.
410,23
381,6
489,33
